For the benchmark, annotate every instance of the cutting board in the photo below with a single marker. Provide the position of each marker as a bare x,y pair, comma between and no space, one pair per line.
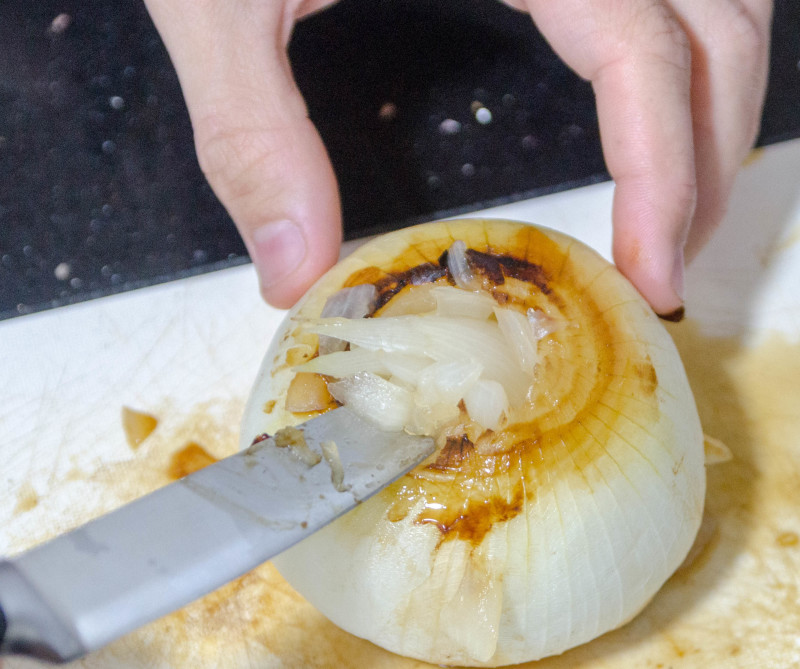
186,353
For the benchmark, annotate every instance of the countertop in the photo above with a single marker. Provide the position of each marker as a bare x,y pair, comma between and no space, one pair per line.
428,108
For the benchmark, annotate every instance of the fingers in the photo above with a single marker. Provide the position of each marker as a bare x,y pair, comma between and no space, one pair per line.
679,89
638,60
255,143
730,60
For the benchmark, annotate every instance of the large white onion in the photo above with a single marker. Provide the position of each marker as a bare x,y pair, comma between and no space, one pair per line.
521,542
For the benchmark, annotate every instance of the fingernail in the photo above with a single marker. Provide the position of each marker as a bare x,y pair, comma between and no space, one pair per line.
677,280
279,248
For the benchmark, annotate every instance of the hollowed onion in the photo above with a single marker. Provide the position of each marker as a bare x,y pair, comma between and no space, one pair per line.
511,545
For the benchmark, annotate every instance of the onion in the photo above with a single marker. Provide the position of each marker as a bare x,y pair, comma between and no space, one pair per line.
355,302
458,265
486,403
347,363
519,335
478,341
454,302
568,481
385,404
541,324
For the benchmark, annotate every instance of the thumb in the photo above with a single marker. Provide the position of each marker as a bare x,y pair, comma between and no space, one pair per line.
258,149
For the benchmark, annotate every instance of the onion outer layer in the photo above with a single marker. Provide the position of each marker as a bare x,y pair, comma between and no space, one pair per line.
511,546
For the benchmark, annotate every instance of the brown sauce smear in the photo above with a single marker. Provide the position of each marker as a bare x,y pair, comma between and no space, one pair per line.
468,490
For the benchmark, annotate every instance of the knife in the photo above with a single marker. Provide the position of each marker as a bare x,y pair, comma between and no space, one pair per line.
80,591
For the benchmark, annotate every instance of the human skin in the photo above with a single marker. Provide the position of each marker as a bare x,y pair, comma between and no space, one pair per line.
679,86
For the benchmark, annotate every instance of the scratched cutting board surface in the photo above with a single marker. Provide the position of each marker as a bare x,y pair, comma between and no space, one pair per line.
186,352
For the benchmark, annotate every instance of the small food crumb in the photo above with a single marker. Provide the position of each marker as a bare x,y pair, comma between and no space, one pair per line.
295,441
137,426
116,102
468,169
716,451
331,454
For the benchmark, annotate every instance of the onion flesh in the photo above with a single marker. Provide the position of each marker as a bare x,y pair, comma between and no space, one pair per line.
386,404
458,264
452,301
519,335
355,302
476,341
546,518
486,403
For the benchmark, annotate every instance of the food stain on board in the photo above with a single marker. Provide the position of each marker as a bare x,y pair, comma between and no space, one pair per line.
27,498
741,575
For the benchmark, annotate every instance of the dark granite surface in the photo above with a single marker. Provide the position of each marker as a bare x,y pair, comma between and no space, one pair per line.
427,107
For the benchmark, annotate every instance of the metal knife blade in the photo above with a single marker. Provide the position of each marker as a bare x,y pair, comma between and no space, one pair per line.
80,591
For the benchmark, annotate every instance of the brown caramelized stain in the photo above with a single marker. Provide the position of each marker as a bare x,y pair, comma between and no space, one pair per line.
475,521
492,267
465,491
455,451
137,426
647,373
787,539
188,460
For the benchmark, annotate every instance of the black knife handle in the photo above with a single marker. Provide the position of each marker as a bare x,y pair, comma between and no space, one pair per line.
2,627
28,626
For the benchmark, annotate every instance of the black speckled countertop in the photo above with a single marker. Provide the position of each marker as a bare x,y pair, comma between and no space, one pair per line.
427,107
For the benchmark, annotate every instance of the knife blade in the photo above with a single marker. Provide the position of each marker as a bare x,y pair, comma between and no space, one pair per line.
80,591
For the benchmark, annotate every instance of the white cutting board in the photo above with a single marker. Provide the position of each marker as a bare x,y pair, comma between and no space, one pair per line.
195,345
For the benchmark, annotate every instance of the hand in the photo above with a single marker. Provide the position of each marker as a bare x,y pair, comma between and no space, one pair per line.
680,85
255,143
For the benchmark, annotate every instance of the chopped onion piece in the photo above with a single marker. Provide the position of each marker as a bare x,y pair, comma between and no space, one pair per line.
517,331
411,300
442,338
458,264
375,399
406,368
446,382
355,302
542,325
346,363
428,419
331,454
294,439
451,301
486,402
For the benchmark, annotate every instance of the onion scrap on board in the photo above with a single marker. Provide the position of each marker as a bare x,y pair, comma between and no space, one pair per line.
569,478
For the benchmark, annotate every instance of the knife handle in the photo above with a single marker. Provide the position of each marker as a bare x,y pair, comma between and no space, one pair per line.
28,626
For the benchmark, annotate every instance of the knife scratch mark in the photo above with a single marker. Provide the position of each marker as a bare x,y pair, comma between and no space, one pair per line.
217,499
